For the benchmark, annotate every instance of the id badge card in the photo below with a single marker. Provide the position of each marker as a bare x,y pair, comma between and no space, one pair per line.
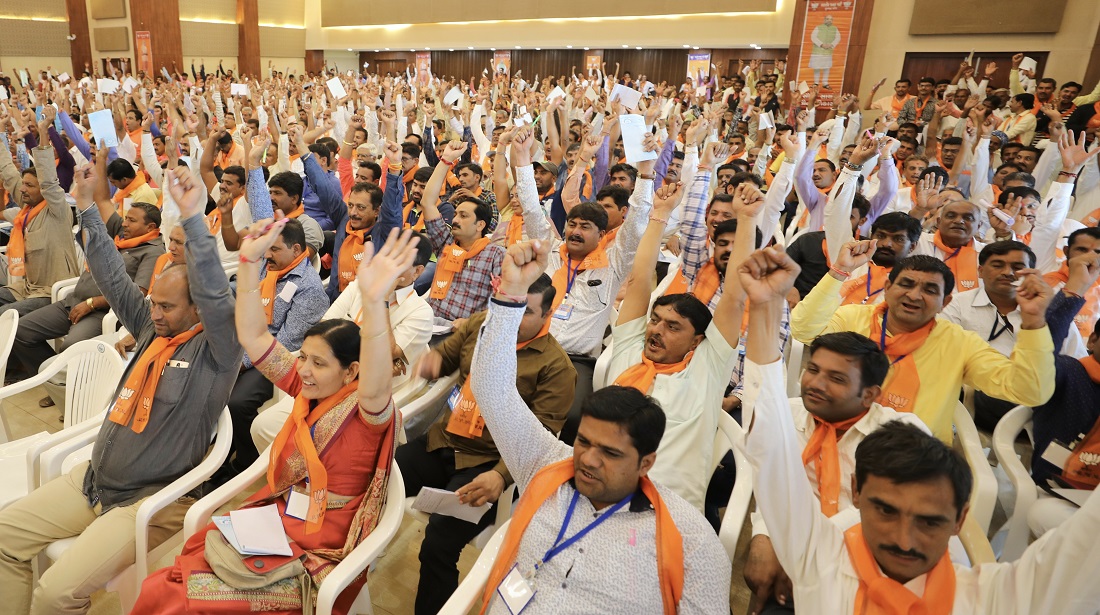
297,503
564,311
1057,453
452,399
515,591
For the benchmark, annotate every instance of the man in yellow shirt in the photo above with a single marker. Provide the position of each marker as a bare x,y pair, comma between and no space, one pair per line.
930,359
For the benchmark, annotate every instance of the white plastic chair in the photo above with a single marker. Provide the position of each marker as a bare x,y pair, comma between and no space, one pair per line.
128,582
347,570
94,369
9,323
1004,437
794,368
62,289
430,401
603,364
984,496
470,589
730,437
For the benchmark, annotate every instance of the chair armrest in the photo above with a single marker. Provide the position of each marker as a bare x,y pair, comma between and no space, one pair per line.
200,512
177,489
1004,437
367,551
59,445
984,497
975,542
504,505
61,285
469,591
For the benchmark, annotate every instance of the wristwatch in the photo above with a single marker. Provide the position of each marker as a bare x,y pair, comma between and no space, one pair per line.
90,303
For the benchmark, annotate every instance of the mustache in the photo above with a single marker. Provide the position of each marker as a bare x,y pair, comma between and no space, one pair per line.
576,238
896,550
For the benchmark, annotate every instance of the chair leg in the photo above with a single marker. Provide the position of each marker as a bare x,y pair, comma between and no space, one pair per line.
362,604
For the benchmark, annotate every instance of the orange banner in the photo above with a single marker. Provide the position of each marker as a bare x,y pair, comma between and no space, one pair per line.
824,53
143,52
502,62
593,61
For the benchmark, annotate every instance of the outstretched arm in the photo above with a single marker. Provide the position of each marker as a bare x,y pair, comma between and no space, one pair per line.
636,302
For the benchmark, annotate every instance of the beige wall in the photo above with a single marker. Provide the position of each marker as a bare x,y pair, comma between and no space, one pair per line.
94,23
10,65
1069,48
767,30
343,59
33,35
295,66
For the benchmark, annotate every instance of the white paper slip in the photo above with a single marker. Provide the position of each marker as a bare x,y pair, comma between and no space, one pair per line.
63,77
225,526
634,132
238,89
629,97
803,87
443,502
24,78
129,84
452,96
260,531
766,121
4,93
107,86
701,90
1028,64
557,92
590,94
102,124
336,88
1077,496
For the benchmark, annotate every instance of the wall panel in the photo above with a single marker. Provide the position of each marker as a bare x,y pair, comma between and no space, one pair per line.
115,38
208,40
282,42
212,10
283,12
23,37
975,17
107,9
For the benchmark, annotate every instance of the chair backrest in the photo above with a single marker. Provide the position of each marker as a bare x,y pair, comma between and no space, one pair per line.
603,364
93,372
9,322
984,496
431,398
1004,438
794,368
730,437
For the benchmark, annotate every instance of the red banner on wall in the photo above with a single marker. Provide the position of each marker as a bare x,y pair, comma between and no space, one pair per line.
824,53
143,52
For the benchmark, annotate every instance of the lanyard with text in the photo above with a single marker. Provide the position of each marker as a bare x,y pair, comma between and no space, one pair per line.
993,332
558,548
882,340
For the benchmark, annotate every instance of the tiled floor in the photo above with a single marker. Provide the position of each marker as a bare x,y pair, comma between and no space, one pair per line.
393,582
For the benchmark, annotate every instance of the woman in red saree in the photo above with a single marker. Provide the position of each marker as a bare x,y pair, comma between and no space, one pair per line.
336,448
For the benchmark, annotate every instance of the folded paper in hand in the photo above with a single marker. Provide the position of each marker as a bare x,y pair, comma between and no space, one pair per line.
629,97
238,89
634,131
107,86
557,92
102,124
336,88
452,96
443,502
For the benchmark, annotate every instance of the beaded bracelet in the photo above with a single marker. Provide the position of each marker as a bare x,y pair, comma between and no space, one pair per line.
843,274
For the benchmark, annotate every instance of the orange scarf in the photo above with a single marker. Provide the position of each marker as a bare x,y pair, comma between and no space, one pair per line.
642,375
416,226
1093,219
903,381
596,259
124,193
515,230
822,451
881,595
466,420
17,244
271,280
135,138
351,254
126,244
158,267
294,213
450,263
962,261
137,394
896,105
1094,121
1009,123
223,158
296,430
609,236
214,218
707,282
670,548
864,288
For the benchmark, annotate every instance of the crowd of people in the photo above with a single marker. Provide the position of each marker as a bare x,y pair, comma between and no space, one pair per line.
292,232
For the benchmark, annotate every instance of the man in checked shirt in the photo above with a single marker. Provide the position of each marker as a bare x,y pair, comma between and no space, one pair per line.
467,261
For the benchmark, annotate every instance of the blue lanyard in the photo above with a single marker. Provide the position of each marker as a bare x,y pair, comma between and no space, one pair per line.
872,294
571,273
558,548
882,339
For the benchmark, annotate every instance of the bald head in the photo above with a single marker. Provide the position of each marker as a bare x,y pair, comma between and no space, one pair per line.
171,307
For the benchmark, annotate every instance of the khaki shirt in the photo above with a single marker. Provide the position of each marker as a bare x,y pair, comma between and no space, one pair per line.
545,378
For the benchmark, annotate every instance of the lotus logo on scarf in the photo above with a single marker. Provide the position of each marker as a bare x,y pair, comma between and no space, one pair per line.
1089,459
967,283
441,283
358,257
896,401
266,301
125,394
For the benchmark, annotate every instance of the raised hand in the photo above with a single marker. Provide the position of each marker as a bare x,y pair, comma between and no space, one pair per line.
454,151
715,153
866,150
523,264
855,254
1073,151
521,147
767,275
85,179
666,199
1033,296
188,192
747,200
377,274
392,152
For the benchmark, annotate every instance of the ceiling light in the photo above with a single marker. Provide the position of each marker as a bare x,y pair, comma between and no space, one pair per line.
687,46
450,50
625,46
694,47
568,46
469,48
638,48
